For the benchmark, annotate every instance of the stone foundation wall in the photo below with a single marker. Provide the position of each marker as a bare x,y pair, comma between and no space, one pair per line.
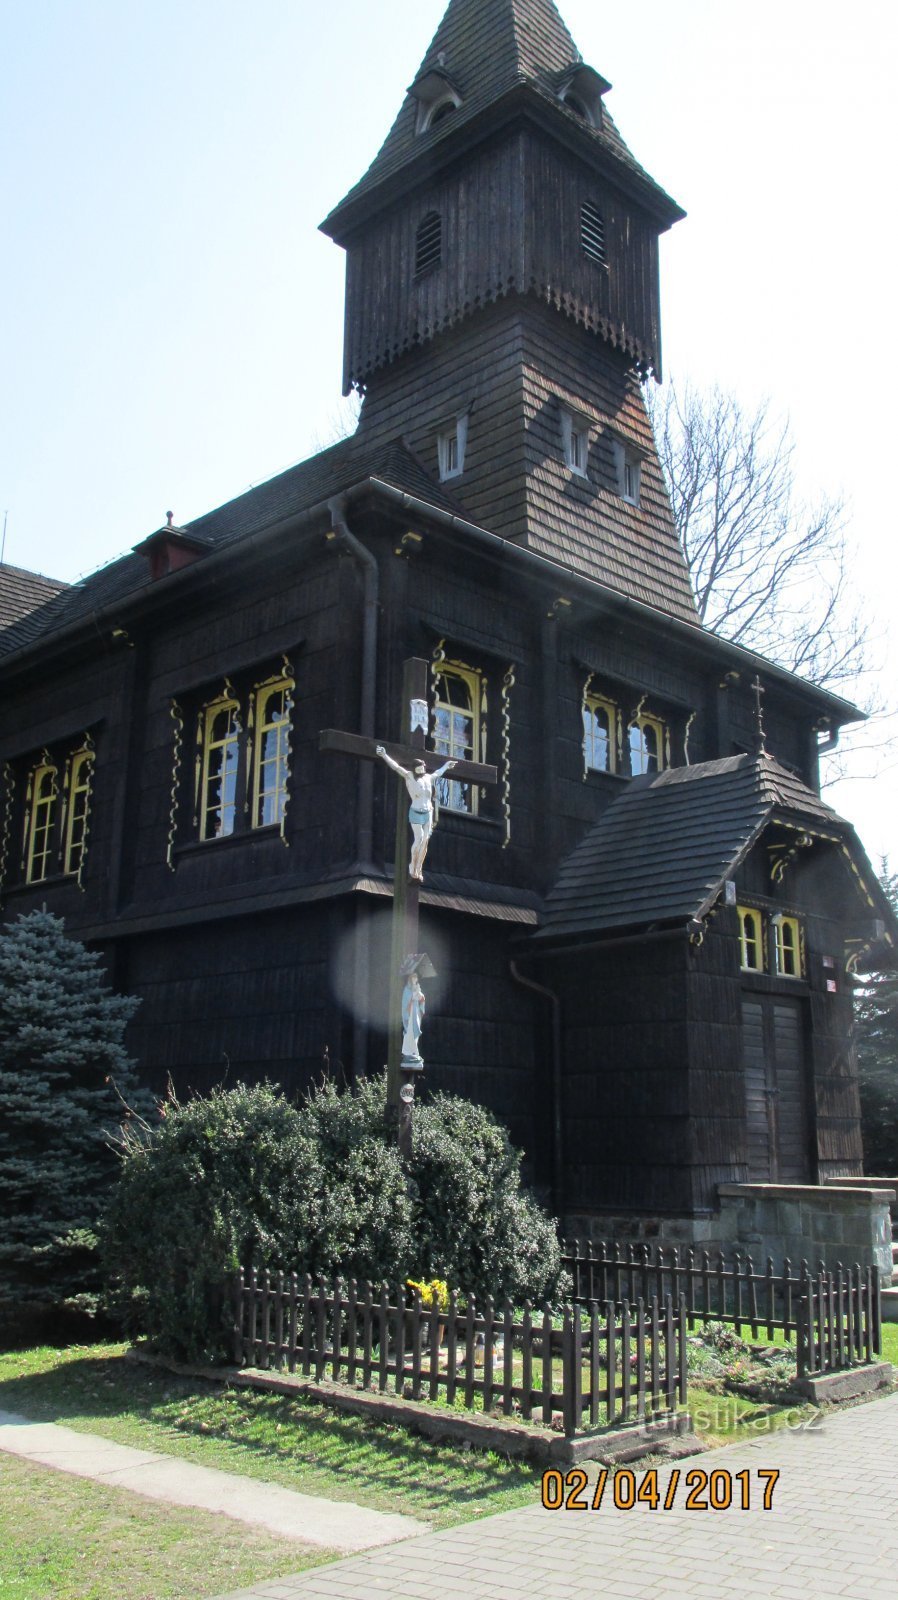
843,1222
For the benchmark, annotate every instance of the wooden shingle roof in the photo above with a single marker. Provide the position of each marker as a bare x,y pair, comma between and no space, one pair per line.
290,493
22,591
663,851
487,48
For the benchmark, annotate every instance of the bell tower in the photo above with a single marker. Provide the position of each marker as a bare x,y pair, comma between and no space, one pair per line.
502,296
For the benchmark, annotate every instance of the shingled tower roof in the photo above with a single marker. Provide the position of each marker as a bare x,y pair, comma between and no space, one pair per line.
484,50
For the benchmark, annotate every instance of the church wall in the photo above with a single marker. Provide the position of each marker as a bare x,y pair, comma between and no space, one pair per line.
243,636
239,999
626,1080
52,708
510,224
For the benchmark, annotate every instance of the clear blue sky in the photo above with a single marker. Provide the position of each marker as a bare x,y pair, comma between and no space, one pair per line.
172,319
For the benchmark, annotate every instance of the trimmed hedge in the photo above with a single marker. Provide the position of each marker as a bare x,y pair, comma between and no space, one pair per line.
249,1177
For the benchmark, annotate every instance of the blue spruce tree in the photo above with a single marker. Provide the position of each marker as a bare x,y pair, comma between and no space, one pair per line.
64,1076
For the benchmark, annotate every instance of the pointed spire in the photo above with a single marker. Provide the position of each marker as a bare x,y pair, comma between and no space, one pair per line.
482,51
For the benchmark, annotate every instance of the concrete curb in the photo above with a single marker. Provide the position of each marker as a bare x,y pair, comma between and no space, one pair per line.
667,1435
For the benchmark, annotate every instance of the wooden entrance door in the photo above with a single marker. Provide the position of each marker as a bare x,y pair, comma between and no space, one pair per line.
775,1090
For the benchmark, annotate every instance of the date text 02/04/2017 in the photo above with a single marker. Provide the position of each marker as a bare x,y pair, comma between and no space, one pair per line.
704,1491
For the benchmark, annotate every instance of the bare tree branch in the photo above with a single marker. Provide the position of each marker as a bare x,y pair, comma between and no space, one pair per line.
769,570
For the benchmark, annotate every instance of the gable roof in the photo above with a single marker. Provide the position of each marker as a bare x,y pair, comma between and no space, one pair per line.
22,591
290,493
485,49
663,851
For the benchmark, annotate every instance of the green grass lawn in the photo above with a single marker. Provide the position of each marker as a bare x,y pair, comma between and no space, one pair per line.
66,1538
290,1441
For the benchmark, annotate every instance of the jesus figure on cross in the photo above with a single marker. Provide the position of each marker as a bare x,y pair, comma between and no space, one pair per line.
419,784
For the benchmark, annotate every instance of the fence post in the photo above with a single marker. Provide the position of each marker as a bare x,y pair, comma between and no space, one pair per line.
877,1312
399,1374
527,1374
237,1302
547,1365
320,1331
507,1357
488,1354
351,1332
470,1320
367,1319
595,1366
640,1359
416,1328
568,1375
802,1336
433,1339
452,1347
266,1319
306,1324
683,1372
253,1316
383,1343
292,1334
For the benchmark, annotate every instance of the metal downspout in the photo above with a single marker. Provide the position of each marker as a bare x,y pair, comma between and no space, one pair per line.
557,1116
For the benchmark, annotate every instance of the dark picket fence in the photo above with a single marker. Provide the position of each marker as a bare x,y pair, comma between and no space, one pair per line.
605,1367
834,1316
839,1321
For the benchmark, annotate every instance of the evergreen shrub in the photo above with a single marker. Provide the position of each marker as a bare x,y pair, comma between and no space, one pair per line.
248,1177
65,1081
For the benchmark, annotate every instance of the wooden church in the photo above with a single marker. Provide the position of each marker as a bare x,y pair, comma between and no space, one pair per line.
645,929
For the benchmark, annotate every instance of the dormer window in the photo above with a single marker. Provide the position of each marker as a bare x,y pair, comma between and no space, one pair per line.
441,111
592,232
437,98
575,438
451,443
628,471
581,91
429,244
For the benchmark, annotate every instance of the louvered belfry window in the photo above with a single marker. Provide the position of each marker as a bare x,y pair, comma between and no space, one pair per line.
428,244
592,232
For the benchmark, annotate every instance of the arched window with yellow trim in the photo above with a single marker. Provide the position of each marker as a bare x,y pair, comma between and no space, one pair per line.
220,756
647,745
459,731
80,776
599,734
271,754
787,946
751,939
40,821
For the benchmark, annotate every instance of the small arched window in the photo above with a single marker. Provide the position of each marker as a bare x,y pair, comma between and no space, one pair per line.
578,108
592,232
442,110
428,244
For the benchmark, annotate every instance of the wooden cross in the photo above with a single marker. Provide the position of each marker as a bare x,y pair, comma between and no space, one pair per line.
406,890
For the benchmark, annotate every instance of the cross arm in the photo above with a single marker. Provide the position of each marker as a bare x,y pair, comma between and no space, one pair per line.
354,744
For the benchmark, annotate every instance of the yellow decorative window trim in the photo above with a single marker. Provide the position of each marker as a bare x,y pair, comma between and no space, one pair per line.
459,727
78,781
270,725
219,739
41,797
788,946
751,939
649,744
601,734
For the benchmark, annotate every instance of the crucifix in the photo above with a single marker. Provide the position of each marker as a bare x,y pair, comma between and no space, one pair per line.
419,770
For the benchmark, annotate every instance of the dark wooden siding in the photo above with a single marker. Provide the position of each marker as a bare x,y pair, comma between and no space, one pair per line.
511,225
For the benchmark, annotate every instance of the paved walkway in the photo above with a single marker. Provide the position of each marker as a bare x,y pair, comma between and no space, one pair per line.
331,1524
832,1531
